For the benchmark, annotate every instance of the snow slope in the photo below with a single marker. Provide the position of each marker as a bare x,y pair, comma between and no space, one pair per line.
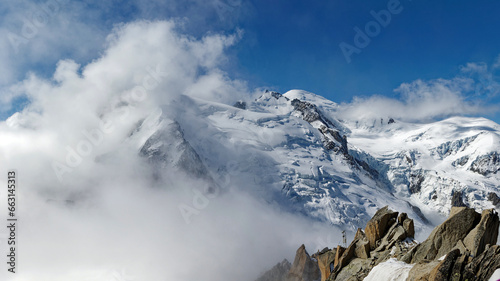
292,150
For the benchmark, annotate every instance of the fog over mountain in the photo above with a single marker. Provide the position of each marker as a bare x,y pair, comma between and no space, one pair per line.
151,163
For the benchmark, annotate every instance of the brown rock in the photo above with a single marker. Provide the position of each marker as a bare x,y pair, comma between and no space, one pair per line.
409,227
355,271
402,217
378,225
304,268
486,232
421,271
359,234
346,257
362,250
395,234
483,266
446,235
326,263
338,254
458,267
461,247
443,270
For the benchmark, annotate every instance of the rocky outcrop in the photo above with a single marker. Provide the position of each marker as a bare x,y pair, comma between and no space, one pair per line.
304,268
378,225
486,232
494,199
443,270
278,273
446,236
240,105
325,260
422,271
386,235
457,200
483,266
486,164
461,248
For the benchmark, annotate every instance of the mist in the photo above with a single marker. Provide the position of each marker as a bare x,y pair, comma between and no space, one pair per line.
88,206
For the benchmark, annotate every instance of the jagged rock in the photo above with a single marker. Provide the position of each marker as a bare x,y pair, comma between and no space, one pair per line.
416,181
445,236
409,227
493,197
486,232
378,225
458,267
339,252
486,164
346,257
326,263
443,270
461,247
402,217
277,273
457,200
309,111
362,245
362,249
240,105
395,234
463,240
304,268
391,121
483,266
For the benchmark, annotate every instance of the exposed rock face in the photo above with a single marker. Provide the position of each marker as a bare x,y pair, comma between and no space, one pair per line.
326,260
338,254
493,197
278,273
378,225
457,200
483,266
443,270
486,232
422,271
445,236
464,241
486,164
240,105
304,268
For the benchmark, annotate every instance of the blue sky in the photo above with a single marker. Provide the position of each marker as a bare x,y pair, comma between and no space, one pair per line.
288,44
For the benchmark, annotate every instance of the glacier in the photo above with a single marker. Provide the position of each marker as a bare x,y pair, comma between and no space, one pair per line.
295,151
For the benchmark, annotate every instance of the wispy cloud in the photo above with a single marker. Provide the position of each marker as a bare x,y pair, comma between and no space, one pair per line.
470,93
35,35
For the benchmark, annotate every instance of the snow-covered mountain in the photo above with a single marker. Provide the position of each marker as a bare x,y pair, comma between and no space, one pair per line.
295,151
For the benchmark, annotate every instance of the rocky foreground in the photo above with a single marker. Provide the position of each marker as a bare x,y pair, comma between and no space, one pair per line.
461,248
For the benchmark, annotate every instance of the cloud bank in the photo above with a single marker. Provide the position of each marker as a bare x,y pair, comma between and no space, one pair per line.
468,94
99,215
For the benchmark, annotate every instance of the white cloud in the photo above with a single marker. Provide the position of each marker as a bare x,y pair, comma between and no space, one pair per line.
35,35
106,216
467,94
